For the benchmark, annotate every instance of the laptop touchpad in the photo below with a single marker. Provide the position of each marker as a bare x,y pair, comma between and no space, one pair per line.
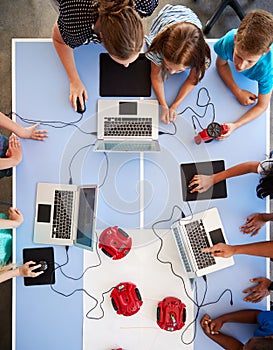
44,213
217,236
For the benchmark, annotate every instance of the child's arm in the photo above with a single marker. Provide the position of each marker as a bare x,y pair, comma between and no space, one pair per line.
13,154
25,133
185,89
223,250
227,342
158,86
245,97
15,219
204,182
66,55
251,114
24,271
223,68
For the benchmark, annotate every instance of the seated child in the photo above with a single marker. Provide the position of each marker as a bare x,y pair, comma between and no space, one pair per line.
263,336
250,49
176,44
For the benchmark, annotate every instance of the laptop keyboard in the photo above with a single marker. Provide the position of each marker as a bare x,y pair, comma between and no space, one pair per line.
128,127
62,215
199,240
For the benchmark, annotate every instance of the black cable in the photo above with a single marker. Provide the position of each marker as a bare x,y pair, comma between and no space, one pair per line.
75,154
167,132
206,105
57,124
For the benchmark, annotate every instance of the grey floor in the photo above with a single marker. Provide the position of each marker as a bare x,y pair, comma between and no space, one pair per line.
34,19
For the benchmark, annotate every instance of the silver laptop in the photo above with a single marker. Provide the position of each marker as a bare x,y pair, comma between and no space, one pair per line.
127,126
65,214
199,231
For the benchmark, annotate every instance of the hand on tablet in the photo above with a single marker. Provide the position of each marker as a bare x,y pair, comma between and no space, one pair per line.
203,182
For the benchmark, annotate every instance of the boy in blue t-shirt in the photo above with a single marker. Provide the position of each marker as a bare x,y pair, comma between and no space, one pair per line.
263,336
250,49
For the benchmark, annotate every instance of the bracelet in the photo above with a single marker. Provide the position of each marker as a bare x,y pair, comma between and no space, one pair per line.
270,286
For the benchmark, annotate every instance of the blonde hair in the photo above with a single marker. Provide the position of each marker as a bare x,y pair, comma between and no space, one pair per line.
183,43
255,33
121,28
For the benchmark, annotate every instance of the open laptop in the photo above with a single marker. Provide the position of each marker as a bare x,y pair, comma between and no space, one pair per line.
65,214
201,230
127,126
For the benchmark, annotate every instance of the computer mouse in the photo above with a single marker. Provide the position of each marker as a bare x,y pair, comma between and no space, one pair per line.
79,107
43,267
190,188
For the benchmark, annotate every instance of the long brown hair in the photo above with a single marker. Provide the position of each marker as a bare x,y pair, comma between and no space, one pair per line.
121,28
183,43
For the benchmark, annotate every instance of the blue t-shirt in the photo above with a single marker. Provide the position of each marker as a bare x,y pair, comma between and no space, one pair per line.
262,71
265,321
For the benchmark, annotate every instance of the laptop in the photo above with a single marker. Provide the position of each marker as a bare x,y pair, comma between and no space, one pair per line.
191,234
188,170
117,80
65,214
127,126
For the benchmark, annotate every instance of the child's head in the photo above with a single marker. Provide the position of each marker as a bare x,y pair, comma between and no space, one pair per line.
265,187
182,46
253,39
259,343
121,30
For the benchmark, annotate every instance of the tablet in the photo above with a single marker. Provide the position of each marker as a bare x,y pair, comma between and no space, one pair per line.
37,255
188,170
131,81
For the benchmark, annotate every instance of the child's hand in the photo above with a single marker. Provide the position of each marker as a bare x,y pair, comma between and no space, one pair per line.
216,325
31,132
165,114
16,215
205,324
246,98
253,224
14,151
220,250
203,182
77,89
231,128
259,291
173,113
27,271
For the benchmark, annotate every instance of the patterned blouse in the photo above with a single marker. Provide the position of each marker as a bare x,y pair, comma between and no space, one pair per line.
77,19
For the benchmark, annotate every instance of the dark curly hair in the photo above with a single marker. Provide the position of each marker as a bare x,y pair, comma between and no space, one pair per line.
265,187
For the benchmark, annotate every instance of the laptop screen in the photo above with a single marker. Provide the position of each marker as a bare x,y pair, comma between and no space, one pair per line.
117,80
86,217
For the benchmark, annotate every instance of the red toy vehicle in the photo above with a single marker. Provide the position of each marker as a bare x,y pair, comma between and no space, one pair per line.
171,314
126,299
213,131
115,242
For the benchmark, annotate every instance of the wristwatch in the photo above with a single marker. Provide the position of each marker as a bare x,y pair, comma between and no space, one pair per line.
270,286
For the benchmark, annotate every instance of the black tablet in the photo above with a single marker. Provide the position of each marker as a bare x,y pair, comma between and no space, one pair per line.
44,255
188,170
131,81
